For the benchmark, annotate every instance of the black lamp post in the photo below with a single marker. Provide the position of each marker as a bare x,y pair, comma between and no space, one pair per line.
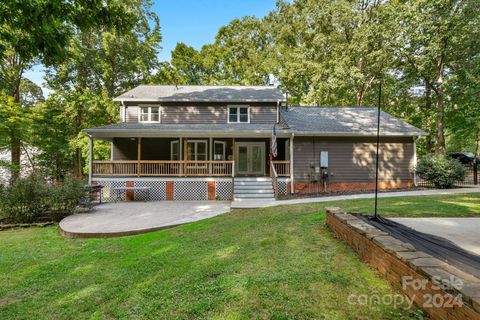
378,144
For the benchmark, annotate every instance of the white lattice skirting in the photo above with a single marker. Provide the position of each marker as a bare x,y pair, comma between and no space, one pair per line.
184,189
283,186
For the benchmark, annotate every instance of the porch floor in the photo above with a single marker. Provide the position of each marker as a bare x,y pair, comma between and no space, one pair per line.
127,218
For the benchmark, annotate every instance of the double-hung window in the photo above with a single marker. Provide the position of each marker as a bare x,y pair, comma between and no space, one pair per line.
238,114
149,114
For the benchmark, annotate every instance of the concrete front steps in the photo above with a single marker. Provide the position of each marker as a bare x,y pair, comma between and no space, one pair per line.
253,188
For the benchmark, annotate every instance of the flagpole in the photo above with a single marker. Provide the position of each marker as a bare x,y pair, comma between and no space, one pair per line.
378,144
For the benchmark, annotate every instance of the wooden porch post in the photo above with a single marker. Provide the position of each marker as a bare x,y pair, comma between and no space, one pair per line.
185,156
90,160
139,155
180,154
233,157
210,157
292,191
270,158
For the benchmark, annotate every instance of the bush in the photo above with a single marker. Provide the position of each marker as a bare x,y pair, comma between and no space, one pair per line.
31,199
442,172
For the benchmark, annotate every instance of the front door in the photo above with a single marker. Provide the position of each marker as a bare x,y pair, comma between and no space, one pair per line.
250,158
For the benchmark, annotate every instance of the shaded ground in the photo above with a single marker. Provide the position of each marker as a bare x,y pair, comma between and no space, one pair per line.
279,262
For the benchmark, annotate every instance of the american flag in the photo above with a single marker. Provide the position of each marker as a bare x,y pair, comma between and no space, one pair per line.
273,146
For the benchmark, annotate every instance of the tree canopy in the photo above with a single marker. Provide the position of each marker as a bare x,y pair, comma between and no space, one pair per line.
323,52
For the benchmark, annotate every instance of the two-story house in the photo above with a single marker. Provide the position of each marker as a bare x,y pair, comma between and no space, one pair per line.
214,142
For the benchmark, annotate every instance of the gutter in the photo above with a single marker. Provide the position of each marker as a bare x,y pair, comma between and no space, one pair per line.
345,134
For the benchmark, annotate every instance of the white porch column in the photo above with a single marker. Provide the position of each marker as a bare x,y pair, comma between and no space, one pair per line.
90,160
291,165
414,160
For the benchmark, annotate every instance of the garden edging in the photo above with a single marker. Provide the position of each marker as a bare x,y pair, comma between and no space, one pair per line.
25,225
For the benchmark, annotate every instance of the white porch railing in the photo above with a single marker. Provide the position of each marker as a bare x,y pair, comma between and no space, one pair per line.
157,168
282,168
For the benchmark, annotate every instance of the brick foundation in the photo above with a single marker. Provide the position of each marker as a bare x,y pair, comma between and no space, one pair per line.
211,190
129,194
317,187
397,260
169,190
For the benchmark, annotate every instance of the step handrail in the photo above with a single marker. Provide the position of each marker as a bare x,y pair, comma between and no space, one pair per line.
274,176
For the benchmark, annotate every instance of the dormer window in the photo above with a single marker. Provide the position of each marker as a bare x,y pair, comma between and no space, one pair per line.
238,114
149,114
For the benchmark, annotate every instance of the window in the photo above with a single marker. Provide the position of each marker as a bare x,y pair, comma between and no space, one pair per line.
238,114
197,150
219,150
174,150
149,114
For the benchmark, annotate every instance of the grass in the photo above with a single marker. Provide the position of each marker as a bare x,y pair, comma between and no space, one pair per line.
278,263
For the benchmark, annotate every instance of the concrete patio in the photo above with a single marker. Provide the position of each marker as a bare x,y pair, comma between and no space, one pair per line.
128,218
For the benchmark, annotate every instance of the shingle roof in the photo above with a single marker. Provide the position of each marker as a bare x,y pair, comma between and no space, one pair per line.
144,129
318,121
345,121
153,93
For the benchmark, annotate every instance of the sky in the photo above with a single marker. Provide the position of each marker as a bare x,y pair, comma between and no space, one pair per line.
194,22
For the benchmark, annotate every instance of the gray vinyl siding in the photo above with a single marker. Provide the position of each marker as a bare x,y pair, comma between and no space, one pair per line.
152,149
194,114
205,113
263,114
132,114
353,159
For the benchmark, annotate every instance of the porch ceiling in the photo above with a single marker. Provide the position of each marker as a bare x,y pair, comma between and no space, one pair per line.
187,130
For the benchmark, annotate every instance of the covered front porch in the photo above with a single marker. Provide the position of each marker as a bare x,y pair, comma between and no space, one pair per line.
192,157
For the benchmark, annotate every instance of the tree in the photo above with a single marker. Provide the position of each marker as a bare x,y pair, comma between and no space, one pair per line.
101,65
329,52
238,56
427,35
42,28
38,31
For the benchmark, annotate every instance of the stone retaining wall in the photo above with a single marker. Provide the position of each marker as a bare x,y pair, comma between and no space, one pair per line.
441,290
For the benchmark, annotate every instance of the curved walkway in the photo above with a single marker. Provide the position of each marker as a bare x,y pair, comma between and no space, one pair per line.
127,218
251,204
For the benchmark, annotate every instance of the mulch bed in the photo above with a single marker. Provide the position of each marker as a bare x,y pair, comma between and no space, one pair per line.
345,193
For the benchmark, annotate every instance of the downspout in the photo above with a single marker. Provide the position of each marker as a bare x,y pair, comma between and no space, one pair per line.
278,111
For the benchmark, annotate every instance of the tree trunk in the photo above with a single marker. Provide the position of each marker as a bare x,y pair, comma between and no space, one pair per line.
440,124
428,108
440,106
15,142
77,161
15,153
359,95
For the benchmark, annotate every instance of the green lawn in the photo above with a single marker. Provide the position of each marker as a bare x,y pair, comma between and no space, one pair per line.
279,262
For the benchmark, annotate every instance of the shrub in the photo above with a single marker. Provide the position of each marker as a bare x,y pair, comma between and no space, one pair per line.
31,199
442,172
